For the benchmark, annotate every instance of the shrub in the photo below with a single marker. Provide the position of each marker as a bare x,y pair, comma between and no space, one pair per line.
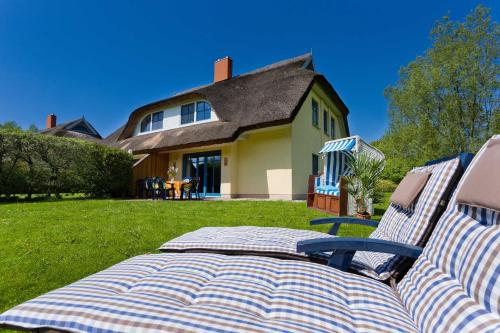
33,163
386,185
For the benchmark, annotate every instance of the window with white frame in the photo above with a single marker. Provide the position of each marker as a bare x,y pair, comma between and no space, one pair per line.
157,121
146,124
152,122
191,113
187,113
203,111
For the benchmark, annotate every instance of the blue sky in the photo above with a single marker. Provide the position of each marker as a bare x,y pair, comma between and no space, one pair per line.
102,59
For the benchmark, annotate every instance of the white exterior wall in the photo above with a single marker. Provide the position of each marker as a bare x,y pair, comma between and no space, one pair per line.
172,118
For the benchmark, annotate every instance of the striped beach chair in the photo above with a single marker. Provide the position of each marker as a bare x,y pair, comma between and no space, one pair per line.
453,286
335,154
410,226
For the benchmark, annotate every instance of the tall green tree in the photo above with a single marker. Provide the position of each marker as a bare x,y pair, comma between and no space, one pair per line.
448,100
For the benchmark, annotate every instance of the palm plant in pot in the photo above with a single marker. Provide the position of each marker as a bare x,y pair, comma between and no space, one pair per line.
362,183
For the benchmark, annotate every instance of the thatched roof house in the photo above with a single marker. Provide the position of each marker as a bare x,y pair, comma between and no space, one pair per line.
272,120
77,129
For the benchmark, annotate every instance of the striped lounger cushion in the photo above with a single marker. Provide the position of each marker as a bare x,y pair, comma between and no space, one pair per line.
454,286
181,292
405,226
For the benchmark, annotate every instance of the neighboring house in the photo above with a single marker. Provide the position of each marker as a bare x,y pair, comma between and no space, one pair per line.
254,135
78,129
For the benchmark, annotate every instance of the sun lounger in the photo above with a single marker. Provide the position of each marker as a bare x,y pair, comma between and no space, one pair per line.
453,286
406,226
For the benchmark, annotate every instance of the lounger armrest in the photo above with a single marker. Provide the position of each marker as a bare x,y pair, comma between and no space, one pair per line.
337,221
344,248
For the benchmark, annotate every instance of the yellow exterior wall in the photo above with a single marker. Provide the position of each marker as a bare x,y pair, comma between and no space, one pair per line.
273,162
257,165
264,164
307,139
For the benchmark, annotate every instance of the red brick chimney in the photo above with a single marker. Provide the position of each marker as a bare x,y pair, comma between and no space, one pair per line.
51,121
223,69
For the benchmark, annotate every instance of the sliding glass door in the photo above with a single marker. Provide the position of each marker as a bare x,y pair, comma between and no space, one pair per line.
206,166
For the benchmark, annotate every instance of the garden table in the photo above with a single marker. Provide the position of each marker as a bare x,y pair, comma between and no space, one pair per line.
177,186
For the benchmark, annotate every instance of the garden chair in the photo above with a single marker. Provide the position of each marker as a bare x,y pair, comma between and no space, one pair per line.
149,187
190,187
162,190
411,225
158,188
454,286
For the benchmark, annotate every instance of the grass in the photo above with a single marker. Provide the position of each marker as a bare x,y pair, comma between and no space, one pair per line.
46,245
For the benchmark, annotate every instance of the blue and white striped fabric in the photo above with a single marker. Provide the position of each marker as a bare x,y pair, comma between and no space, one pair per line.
338,145
279,242
335,166
410,226
404,226
329,191
325,189
216,293
454,286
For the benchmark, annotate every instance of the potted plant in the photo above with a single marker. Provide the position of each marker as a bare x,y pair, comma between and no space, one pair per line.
362,183
172,172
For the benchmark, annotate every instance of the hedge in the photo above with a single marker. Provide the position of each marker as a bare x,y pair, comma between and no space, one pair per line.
32,163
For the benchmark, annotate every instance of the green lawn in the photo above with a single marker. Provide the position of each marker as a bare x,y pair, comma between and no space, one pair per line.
46,245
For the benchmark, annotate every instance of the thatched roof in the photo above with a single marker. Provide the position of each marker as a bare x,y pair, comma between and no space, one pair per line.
265,97
77,129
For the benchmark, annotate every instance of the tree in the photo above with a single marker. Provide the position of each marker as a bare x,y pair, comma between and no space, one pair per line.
448,100
33,129
10,125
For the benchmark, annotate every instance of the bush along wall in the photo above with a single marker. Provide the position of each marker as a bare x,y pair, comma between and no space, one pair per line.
32,163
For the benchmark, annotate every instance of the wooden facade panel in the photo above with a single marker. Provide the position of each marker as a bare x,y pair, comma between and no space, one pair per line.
154,165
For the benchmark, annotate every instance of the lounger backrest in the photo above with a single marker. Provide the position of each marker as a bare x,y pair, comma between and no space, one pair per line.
413,225
454,285
409,226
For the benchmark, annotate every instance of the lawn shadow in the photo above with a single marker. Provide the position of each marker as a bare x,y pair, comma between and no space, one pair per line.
22,198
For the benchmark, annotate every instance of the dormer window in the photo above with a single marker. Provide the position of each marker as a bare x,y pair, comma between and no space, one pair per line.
187,113
146,124
203,111
152,122
157,121
197,111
